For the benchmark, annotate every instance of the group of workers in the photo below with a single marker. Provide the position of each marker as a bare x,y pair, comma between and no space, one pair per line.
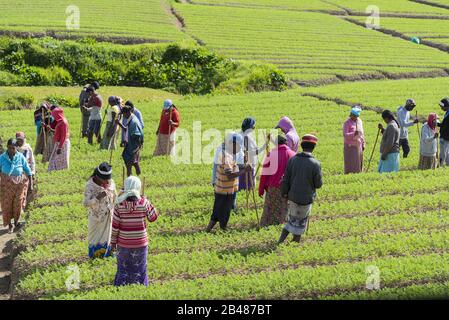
288,178
396,136
125,116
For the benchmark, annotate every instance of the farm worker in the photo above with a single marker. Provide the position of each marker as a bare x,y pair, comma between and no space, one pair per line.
389,147
404,122
129,234
273,169
42,110
287,127
83,100
354,142
226,182
60,157
24,148
14,184
111,125
99,197
49,127
94,105
132,141
166,132
136,112
444,133
428,148
301,179
251,149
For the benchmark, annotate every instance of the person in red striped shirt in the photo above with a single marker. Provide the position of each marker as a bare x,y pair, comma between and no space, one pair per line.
129,234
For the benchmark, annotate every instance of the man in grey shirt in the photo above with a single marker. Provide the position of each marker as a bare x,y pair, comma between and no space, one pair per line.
301,179
405,123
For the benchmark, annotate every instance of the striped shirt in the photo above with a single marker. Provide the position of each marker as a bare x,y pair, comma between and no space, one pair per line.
128,223
226,164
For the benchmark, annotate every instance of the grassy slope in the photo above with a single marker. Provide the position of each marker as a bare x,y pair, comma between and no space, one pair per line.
307,46
343,227
148,19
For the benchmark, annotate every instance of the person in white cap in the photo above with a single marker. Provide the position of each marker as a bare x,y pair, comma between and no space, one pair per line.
354,142
166,131
404,123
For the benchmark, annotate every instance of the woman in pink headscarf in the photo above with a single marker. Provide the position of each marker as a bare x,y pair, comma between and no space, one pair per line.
354,142
428,147
59,159
287,127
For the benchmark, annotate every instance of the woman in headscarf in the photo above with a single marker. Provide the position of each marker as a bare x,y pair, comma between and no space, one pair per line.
49,128
166,132
429,141
287,127
389,147
24,148
99,198
275,206
110,135
60,157
14,184
354,142
129,234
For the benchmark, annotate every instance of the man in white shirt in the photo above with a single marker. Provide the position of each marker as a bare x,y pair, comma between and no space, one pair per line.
405,123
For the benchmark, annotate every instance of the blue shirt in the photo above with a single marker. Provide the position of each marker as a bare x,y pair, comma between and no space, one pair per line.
139,117
16,167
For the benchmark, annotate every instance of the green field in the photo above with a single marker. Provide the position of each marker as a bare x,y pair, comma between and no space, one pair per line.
395,223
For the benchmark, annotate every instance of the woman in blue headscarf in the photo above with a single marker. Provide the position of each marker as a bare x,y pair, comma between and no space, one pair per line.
354,142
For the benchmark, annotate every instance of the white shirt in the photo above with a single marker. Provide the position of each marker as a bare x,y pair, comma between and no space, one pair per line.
404,122
428,147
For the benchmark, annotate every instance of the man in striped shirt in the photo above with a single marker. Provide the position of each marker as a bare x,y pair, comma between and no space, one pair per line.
226,181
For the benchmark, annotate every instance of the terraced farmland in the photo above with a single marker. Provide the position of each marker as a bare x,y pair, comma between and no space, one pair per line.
308,46
397,224
139,19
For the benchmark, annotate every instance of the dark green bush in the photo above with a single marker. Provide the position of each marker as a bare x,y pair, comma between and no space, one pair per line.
183,68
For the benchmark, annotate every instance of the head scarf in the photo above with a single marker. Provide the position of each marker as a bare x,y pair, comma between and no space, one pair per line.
57,114
167,104
132,188
356,111
103,171
285,124
12,142
20,135
281,139
432,117
112,100
248,124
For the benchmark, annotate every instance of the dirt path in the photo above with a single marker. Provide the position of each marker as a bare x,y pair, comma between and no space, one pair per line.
6,245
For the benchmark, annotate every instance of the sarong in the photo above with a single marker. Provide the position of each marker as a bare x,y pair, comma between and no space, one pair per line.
247,185
60,161
13,191
49,147
222,209
274,209
131,266
107,140
427,162
161,146
391,164
353,159
298,217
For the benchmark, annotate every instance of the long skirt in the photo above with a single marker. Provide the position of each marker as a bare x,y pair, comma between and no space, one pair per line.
165,143
109,140
48,148
298,217
353,159
427,162
222,209
274,209
60,161
13,190
391,164
131,266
